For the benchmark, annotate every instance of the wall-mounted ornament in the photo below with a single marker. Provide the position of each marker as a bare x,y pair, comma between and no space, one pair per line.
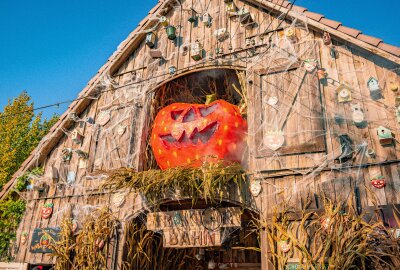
343,93
374,89
274,139
255,187
327,38
89,120
155,54
393,86
77,136
221,34
290,33
66,154
321,73
120,130
164,21
370,153
151,39
284,245
346,147
378,181
82,154
326,224
193,16
24,237
358,115
310,65
231,8
103,118
245,17
339,119
118,199
47,210
82,164
74,225
171,32
71,176
172,70
197,51
43,239
385,135
206,19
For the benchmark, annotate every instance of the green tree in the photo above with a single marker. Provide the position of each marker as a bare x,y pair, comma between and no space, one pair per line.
20,132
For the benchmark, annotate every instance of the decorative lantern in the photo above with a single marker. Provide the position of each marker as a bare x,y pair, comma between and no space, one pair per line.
164,21
47,210
284,245
150,39
206,19
274,139
77,137
374,89
393,86
358,115
171,32
197,51
172,70
67,154
24,237
327,38
385,135
343,93
193,16
310,65
378,181
192,132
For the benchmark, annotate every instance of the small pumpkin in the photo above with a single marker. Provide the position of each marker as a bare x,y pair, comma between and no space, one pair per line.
378,181
185,134
44,241
47,210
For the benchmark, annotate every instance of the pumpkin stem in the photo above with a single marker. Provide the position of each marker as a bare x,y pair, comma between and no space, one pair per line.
210,98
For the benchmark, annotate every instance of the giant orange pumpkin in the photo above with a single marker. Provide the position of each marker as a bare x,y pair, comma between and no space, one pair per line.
188,134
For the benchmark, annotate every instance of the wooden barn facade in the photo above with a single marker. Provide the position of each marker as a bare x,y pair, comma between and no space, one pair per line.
322,104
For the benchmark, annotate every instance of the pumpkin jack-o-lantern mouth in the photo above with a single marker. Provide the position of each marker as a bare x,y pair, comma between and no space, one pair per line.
196,136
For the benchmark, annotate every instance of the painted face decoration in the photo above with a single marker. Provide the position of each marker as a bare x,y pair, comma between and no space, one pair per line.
187,134
378,181
47,210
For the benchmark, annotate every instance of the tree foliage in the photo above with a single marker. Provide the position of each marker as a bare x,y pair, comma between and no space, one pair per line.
20,132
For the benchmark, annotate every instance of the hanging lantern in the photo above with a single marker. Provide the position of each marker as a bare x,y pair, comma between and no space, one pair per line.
193,16
171,32
333,52
164,21
327,38
343,93
172,70
374,89
77,137
206,19
385,135
393,86
150,39
197,51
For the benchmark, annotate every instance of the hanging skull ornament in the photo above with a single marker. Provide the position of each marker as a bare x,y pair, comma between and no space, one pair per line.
378,181
187,134
47,210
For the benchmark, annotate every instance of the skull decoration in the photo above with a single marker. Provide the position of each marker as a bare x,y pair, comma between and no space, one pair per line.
378,181
47,210
184,134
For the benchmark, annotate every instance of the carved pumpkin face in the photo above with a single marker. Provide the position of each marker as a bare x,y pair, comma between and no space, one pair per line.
44,241
47,210
378,181
185,134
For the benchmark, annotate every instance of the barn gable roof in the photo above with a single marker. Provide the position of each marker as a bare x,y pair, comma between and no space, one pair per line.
125,49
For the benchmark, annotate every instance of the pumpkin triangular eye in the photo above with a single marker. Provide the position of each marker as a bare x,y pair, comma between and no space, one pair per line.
175,114
208,110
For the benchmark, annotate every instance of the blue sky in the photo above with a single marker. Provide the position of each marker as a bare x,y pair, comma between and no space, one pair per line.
52,48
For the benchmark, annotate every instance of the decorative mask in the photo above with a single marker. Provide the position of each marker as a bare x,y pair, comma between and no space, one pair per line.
378,181
47,210
184,133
